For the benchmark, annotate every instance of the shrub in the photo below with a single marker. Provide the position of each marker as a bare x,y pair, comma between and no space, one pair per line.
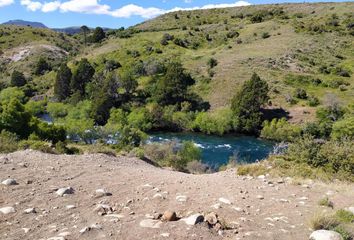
18,79
326,202
197,167
265,35
212,62
218,122
41,67
57,110
35,107
252,170
300,93
313,101
42,146
324,221
280,130
8,142
343,129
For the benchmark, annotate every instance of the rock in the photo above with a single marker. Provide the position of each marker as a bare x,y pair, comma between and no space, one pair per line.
169,216
26,230
70,206
158,195
181,198
102,193
325,235
211,218
56,238
350,209
9,182
216,206
103,209
65,191
261,177
260,197
30,210
84,230
165,235
64,234
7,210
224,200
150,223
194,219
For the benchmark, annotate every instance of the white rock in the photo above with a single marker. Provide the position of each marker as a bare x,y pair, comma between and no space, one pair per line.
237,209
64,191
56,238
30,210
216,206
261,177
325,235
7,210
193,219
64,234
260,197
70,206
224,200
181,198
9,182
350,209
158,195
26,230
165,235
150,223
102,193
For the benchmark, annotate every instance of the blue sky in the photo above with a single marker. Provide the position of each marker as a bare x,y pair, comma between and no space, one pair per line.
106,13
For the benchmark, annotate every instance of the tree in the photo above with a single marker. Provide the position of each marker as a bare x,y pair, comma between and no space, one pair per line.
98,35
85,30
41,67
172,87
246,104
82,76
104,100
17,79
62,82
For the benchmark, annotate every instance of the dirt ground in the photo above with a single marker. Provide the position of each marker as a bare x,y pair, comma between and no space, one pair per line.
251,208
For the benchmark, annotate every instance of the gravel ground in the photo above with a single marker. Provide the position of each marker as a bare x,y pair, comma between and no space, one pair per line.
133,194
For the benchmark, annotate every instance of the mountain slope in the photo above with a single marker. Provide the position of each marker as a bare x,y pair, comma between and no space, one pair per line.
290,45
25,23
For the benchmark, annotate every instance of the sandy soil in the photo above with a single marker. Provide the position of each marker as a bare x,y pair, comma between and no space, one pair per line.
259,208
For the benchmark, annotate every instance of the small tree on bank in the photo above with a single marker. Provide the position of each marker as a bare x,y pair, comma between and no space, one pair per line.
62,83
246,104
17,79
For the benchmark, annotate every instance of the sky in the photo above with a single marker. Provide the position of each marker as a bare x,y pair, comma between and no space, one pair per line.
108,13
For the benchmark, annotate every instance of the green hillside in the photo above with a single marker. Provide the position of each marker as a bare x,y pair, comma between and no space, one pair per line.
291,46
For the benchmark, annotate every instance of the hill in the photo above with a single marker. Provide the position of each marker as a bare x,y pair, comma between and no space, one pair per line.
25,23
291,46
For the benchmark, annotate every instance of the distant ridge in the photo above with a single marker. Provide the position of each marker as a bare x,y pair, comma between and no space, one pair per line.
25,23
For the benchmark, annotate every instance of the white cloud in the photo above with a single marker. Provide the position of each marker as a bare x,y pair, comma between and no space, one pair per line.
134,10
127,11
51,6
31,6
4,3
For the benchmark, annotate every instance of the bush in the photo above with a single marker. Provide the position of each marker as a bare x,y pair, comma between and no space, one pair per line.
334,157
38,145
197,167
343,129
326,202
265,35
313,101
18,79
212,62
280,130
300,93
252,170
219,122
8,142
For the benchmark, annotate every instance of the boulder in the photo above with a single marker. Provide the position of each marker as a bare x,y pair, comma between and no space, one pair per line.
194,219
7,210
169,216
211,218
224,200
65,191
150,223
9,182
325,235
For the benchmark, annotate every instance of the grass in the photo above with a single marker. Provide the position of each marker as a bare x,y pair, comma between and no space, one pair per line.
339,221
325,202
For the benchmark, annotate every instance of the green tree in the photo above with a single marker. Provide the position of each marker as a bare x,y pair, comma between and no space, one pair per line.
62,83
85,30
14,118
104,99
82,76
247,103
172,87
17,79
41,67
98,35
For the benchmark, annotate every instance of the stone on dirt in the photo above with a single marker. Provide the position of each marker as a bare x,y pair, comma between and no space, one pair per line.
325,235
7,210
65,191
169,216
150,223
194,219
9,182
